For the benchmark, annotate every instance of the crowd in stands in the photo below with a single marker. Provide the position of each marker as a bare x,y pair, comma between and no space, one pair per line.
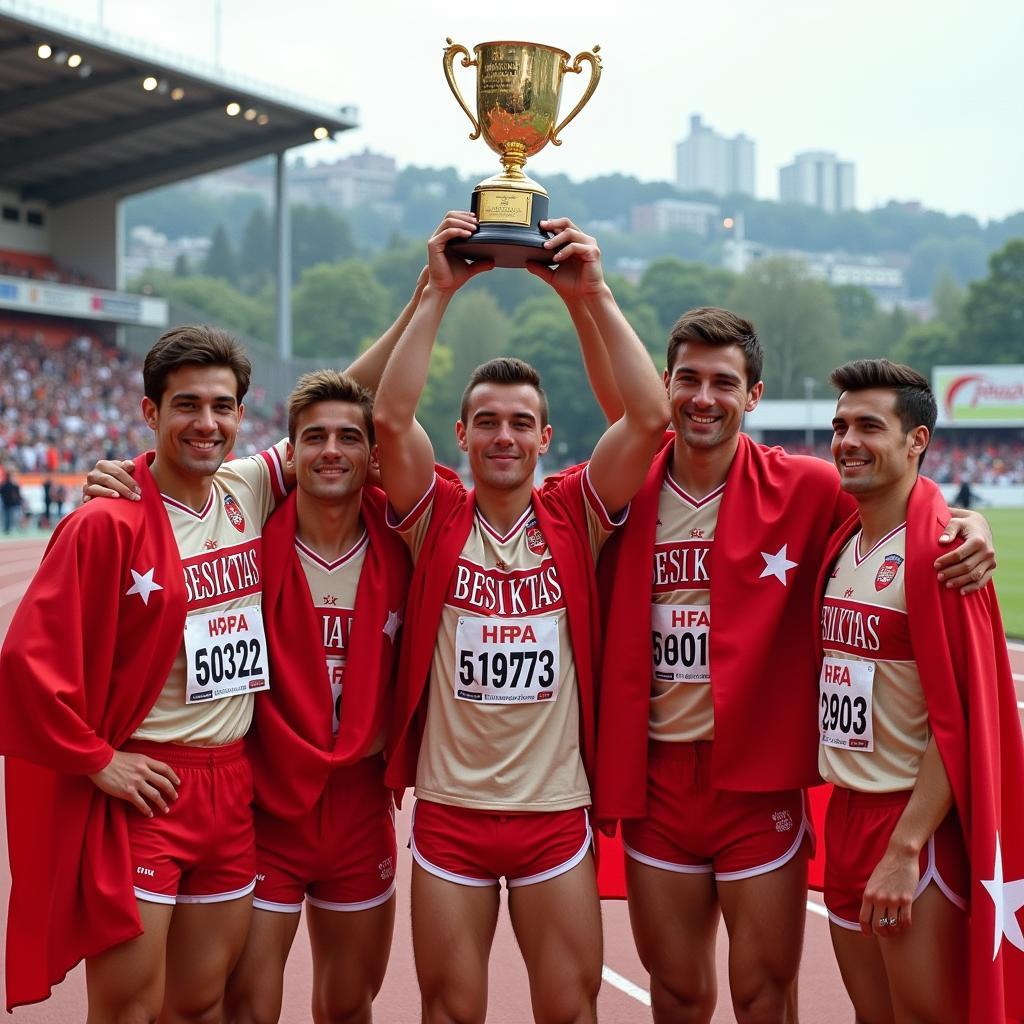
991,460
43,270
61,409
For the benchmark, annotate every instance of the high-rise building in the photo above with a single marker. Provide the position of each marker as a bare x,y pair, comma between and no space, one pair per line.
818,179
707,161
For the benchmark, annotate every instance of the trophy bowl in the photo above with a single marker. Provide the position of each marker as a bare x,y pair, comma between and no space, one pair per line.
518,93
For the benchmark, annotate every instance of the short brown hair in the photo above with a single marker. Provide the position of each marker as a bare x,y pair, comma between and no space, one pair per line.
710,325
194,345
915,402
328,386
505,370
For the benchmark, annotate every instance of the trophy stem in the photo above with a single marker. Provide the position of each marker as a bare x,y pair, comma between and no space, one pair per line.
513,158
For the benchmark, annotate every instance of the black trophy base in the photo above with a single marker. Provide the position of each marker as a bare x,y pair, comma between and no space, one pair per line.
508,245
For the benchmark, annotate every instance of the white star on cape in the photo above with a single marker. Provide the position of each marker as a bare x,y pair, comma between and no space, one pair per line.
391,626
777,565
144,585
1008,898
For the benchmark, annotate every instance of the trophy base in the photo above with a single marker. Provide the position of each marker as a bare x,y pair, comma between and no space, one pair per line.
507,244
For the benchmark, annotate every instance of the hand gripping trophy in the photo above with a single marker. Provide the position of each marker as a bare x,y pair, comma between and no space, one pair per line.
518,89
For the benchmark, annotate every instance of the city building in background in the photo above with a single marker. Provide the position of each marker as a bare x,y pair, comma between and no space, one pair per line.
818,179
709,162
664,216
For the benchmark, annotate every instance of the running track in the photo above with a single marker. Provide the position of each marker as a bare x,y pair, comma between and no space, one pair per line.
624,997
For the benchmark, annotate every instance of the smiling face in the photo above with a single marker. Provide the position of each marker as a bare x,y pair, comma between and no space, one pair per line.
331,452
196,421
708,393
503,434
870,446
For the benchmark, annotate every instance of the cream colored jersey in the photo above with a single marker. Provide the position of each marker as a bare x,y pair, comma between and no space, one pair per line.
681,704
502,728
207,699
872,714
332,588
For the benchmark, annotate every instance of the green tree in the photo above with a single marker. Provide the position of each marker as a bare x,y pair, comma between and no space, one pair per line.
220,260
796,320
993,315
671,287
398,266
319,235
336,308
925,346
181,267
948,301
475,330
256,256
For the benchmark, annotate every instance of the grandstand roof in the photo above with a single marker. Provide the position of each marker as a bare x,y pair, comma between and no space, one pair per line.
76,128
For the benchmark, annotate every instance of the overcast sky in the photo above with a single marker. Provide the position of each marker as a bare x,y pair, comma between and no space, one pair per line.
925,98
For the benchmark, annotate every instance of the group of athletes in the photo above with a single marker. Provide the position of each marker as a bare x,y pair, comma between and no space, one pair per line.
535,662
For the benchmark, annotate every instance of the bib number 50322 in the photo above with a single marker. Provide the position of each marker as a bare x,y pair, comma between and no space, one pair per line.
505,661
226,654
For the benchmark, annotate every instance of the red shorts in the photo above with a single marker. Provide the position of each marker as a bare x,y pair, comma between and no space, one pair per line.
202,851
693,827
480,847
857,831
340,855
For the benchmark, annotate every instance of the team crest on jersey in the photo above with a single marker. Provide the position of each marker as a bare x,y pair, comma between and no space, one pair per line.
887,571
535,539
234,513
696,534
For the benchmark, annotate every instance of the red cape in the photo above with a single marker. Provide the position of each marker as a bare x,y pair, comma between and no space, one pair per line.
290,745
561,515
83,663
960,649
764,677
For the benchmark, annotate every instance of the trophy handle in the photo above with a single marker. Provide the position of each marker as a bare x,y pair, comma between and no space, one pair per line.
453,50
595,77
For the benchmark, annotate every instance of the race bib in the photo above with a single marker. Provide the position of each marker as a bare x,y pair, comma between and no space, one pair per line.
335,676
226,652
507,661
679,643
845,704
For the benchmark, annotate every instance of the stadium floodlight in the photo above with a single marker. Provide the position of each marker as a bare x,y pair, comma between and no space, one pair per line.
149,83
250,114
320,133
45,51
263,119
74,60
177,93
233,109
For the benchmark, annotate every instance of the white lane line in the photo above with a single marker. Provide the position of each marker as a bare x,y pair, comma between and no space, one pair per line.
817,908
641,995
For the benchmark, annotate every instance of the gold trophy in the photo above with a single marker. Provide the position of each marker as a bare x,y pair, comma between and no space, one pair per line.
518,88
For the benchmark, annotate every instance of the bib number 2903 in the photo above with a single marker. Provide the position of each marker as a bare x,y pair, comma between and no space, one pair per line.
506,661
844,703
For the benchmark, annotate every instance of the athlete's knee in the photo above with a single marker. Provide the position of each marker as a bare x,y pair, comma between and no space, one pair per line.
683,1000
199,1009
351,1008
448,1005
764,1001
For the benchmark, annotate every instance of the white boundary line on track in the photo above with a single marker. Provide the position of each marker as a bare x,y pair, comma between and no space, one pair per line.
641,995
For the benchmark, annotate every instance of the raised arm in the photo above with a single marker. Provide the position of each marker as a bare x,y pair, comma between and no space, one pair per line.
623,454
406,454
368,367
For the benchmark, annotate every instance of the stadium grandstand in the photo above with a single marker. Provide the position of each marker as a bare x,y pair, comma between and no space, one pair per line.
88,118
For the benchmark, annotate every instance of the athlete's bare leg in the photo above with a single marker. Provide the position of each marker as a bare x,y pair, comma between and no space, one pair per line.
863,970
256,985
350,956
203,947
927,963
558,927
452,931
675,920
765,917
125,984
